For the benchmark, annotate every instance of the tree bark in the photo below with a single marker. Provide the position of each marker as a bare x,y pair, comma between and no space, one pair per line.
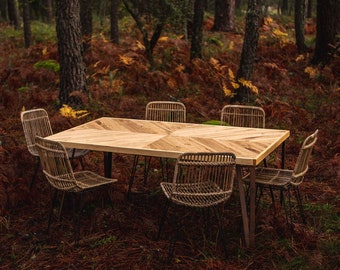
284,7
114,30
299,23
86,23
159,12
72,69
49,11
3,10
248,54
197,30
224,16
27,22
326,22
13,14
309,8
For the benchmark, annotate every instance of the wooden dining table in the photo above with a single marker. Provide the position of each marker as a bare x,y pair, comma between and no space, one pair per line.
168,140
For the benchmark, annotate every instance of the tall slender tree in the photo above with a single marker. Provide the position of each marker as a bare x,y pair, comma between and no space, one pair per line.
326,23
27,22
159,11
13,13
73,86
299,23
197,30
49,10
3,10
309,8
86,23
250,42
114,30
224,16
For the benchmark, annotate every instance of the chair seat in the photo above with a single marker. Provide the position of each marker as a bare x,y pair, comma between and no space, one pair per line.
203,194
76,153
89,180
274,177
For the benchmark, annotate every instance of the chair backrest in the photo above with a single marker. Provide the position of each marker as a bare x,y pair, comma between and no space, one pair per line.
207,178
301,165
56,164
35,123
243,116
165,111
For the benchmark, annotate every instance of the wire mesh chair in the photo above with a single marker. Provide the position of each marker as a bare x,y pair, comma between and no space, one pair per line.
201,180
168,111
36,122
243,116
58,171
284,180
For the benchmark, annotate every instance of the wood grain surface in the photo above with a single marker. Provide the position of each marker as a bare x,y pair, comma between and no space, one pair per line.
168,139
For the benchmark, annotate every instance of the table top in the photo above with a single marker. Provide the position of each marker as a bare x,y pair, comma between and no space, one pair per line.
169,139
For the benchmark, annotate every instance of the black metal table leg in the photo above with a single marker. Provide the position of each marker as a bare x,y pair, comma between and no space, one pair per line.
108,164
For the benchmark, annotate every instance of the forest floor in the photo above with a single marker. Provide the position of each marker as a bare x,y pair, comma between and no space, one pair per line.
123,237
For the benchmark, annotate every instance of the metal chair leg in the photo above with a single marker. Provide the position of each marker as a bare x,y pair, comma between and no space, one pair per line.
54,199
290,212
35,172
299,201
76,216
219,215
162,221
132,175
147,161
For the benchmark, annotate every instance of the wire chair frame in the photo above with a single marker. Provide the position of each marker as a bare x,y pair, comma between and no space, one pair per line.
201,179
284,179
168,111
243,116
58,171
35,123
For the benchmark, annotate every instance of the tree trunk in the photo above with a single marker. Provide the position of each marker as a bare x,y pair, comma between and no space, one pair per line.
86,23
309,8
300,25
238,4
13,14
3,10
135,9
248,55
114,30
326,22
224,16
197,30
27,22
284,7
49,11
72,69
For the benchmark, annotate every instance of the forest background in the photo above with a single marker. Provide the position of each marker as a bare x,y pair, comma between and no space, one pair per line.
294,94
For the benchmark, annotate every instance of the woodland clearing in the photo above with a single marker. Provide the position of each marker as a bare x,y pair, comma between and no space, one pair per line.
292,96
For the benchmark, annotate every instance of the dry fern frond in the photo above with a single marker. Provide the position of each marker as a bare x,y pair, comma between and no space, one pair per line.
67,111
249,85
312,72
126,60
